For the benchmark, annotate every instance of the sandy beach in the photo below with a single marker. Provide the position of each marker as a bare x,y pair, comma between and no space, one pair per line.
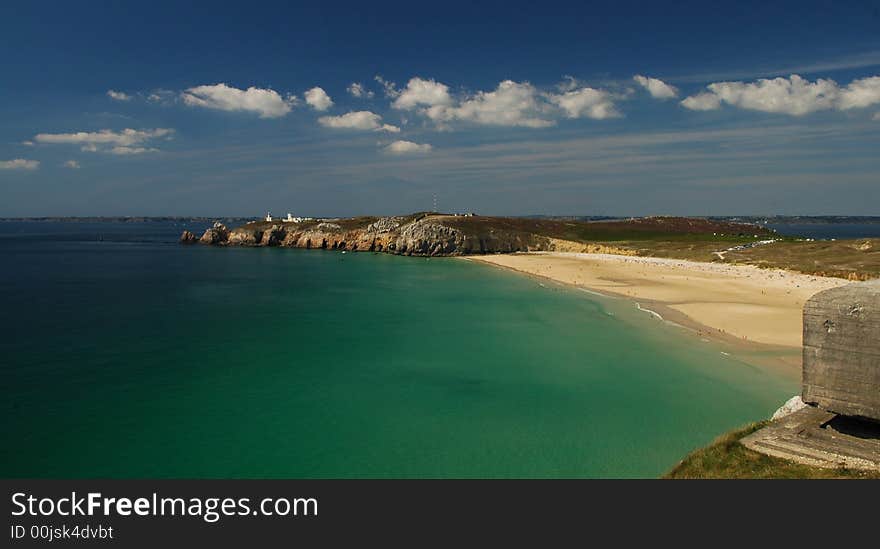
732,301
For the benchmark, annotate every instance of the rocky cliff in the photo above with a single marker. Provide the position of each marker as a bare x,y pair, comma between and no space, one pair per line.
428,234
424,236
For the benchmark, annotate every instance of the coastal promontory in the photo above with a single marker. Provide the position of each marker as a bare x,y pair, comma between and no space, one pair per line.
433,234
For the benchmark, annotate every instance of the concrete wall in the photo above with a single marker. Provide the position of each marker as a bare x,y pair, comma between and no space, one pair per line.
842,350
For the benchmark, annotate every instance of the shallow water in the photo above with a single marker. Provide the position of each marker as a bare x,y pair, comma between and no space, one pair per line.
127,355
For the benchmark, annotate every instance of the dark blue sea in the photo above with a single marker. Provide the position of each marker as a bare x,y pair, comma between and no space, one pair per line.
827,231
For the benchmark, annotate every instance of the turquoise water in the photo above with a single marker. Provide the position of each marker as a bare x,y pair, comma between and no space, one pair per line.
127,355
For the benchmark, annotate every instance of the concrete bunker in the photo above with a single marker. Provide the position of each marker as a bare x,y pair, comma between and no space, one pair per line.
838,423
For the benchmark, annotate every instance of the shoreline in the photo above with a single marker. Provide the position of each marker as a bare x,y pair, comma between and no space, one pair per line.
755,312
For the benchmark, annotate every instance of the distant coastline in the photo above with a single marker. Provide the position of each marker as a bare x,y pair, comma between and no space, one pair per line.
751,219
126,219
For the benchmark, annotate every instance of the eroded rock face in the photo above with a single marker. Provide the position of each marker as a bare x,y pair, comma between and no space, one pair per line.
558,245
420,236
218,234
188,238
428,238
385,224
273,236
245,237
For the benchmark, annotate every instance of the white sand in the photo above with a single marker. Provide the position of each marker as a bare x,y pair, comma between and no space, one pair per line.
753,304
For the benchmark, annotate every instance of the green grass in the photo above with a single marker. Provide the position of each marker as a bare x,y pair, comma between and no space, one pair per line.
727,458
857,259
647,229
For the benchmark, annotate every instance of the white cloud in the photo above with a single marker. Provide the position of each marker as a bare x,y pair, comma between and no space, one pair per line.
702,102
794,95
356,89
390,88
318,99
421,92
118,96
357,120
19,164
876,116
72,164
128,141
510,104
408,147
586,102
266,102
568,83
656,87
28,143
860,93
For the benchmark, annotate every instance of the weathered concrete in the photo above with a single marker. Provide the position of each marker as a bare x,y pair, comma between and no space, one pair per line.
840,426
819,438
841,370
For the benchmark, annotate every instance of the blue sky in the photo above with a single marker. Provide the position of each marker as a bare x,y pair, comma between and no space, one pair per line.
123,108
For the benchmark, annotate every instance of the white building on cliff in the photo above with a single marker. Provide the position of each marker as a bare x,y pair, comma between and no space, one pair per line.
291,219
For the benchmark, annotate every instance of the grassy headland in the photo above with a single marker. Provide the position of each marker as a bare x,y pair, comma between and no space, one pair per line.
694,239
727,458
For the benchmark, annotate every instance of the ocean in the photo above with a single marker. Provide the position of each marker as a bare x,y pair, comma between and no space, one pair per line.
827,231
128,355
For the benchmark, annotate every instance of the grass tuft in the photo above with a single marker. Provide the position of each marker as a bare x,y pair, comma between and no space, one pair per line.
726,458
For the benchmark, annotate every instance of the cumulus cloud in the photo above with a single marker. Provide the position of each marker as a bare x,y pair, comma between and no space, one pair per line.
794,95
357,120
702,102
125,142
19,164
517,104
656,87
118,95
356,89
318,99
266,102
390,88
72,164
408,147
510,104
860,93
421,92
568,83
586,102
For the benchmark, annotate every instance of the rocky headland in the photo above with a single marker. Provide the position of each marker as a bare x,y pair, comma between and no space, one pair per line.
430,234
